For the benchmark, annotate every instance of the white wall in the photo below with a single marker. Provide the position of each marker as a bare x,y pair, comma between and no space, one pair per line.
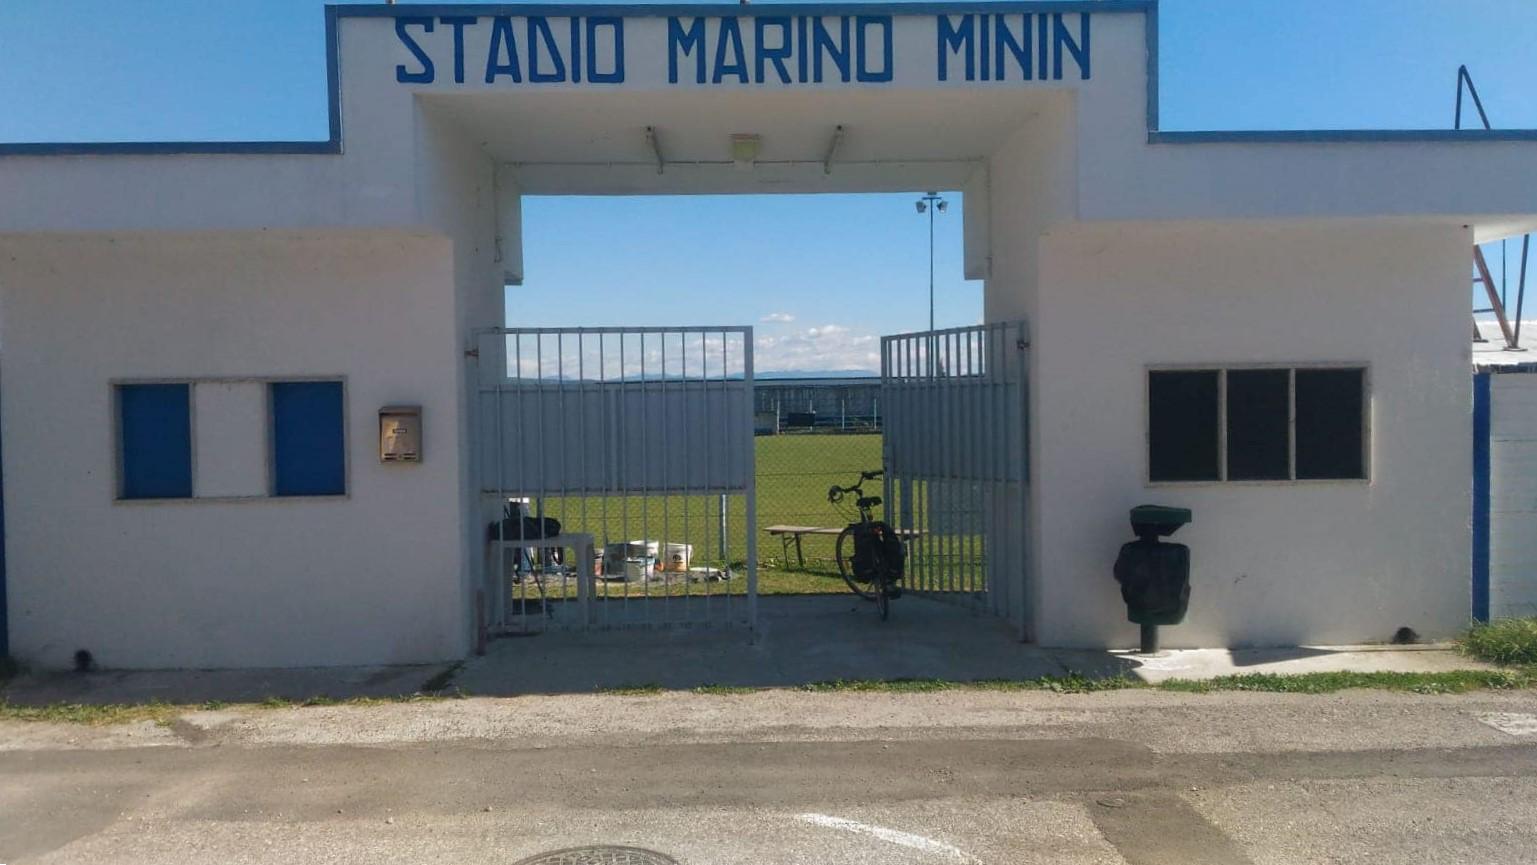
1272,564
1513,495
1030,189
375,577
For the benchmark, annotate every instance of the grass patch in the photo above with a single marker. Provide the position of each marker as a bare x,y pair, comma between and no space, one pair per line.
1503,641
92,715
642,690
1071,683
725,690
1453,682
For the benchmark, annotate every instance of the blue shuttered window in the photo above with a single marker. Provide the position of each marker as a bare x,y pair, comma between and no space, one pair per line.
155,440
308,447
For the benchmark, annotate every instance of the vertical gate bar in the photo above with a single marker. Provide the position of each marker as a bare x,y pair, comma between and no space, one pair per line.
725,419
956,461
973,477
645,479
887,463
940,479
709,463
1009,563
623,467
752,498
583,451
957,456
979,435
669,485
688,398
930,396
541,580
600,540
1022,444
944,370
520,589
583,594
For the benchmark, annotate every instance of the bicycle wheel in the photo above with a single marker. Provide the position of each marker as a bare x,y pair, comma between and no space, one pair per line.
883,600
845,554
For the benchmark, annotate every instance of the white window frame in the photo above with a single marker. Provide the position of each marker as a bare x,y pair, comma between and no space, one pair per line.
116,444
1222,369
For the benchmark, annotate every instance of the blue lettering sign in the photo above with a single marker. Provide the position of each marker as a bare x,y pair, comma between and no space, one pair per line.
774,49
503,43
822,44
685,41
956,40
991,48
1079,49
427,74
616,28
763,53
539,33
730,37
458,22
861,27
1017,48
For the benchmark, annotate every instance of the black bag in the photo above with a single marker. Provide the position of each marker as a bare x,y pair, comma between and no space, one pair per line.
515,528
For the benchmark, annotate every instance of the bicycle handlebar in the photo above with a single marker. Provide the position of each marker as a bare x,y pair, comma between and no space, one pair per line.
835,493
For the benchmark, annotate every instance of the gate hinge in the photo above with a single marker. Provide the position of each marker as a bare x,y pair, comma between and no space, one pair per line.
472,352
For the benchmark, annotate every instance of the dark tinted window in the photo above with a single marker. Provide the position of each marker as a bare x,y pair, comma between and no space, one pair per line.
1182,426
1330,423
1257,421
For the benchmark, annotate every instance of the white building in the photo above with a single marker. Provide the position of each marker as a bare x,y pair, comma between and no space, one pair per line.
287,292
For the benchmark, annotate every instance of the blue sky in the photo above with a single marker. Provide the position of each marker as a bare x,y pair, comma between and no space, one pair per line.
841,269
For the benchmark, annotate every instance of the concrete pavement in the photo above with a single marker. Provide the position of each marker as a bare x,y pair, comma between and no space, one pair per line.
1136,777
800,640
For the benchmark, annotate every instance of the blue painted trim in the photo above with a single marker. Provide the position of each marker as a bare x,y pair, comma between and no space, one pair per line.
5,619
1341,136
333,80
1156,135
716,10
1481,503
1148,8
1150,25
164,148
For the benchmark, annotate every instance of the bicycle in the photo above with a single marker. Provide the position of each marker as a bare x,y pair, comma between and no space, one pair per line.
870,553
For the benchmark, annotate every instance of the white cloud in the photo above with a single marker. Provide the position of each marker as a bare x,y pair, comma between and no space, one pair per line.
778,318
828,347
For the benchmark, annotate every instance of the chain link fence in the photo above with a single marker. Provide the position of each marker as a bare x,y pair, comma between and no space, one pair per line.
794,472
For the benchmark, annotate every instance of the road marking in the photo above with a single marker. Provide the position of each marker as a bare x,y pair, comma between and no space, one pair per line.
1514,723
892,836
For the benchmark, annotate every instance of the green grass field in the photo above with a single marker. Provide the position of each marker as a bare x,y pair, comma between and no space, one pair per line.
793,474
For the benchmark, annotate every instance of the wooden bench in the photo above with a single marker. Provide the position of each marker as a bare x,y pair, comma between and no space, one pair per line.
787,533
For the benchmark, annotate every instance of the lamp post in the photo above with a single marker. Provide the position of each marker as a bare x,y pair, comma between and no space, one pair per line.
931,203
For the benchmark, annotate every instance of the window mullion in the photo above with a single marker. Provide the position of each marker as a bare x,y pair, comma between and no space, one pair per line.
1291,423
1222,425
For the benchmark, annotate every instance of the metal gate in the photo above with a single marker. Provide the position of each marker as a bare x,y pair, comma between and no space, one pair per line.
956,445
615,473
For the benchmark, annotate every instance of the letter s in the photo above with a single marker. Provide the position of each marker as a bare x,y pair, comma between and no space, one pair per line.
427,74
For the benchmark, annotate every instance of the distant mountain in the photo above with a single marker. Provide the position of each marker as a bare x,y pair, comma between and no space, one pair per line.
815,373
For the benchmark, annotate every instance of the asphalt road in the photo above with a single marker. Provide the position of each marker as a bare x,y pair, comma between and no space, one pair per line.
784,777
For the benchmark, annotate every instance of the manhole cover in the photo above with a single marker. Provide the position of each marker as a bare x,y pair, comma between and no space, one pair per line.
600,856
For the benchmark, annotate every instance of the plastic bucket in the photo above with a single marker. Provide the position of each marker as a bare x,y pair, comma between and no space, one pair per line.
676,557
